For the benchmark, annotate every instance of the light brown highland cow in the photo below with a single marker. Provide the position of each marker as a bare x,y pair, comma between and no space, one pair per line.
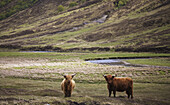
67,85
119,84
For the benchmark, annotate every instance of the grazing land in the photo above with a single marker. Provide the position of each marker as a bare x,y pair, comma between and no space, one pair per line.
85,25
67,33
35,78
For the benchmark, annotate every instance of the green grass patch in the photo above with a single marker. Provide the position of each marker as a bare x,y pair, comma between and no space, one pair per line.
49,92
20,5
154,61
40,67
82,56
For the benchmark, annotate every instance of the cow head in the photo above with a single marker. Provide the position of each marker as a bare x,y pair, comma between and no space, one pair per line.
69,77
109,78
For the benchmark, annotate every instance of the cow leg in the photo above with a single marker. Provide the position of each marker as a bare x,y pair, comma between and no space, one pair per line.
110,93
69,94
114,92
128,93
66,95
131,93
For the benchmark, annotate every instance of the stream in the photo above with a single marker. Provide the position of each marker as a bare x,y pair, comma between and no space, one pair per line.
122,62
119,62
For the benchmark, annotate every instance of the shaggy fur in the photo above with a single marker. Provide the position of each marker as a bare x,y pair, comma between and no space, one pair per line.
119,84
67,85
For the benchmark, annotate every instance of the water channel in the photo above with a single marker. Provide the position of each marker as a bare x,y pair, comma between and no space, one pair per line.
122,62
119,62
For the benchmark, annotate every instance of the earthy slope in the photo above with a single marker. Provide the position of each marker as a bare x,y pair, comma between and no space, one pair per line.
139,25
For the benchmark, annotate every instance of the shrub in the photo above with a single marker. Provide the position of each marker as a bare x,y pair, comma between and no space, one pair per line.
2,16
19,5
82,1
72,4
120,3
60,8
4,2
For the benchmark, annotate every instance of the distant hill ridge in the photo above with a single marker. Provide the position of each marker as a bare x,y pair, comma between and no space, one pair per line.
85,25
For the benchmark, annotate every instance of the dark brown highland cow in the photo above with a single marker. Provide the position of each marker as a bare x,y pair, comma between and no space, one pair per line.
119,84
67,85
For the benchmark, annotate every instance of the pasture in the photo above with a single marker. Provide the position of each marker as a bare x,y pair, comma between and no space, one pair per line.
35,78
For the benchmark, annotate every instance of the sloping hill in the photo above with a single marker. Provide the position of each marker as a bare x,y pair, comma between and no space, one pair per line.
68,25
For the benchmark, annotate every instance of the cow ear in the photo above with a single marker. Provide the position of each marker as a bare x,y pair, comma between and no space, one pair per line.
64,76
113,76
105,77
73,75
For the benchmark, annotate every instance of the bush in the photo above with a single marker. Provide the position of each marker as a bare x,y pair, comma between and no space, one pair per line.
82,1
4,2
60,8
2,16
120,3
72,4
19,5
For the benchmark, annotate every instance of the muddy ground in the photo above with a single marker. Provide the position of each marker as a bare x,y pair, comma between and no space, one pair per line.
36,80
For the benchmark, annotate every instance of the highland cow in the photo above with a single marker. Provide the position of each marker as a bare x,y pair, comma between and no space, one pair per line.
67,85
119,84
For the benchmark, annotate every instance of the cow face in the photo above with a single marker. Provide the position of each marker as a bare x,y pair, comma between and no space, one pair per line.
69,77
109,78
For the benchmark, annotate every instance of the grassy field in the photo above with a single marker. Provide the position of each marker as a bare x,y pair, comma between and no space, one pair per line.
34,78
155,62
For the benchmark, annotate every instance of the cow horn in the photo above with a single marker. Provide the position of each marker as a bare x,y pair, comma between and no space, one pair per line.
113,76
104,76
64,75
73,75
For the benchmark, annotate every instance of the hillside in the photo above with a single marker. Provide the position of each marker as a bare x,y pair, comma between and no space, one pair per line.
70,25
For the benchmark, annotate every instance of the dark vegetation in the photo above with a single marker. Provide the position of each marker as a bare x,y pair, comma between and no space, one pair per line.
72,25
60,8
120,3
10,7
